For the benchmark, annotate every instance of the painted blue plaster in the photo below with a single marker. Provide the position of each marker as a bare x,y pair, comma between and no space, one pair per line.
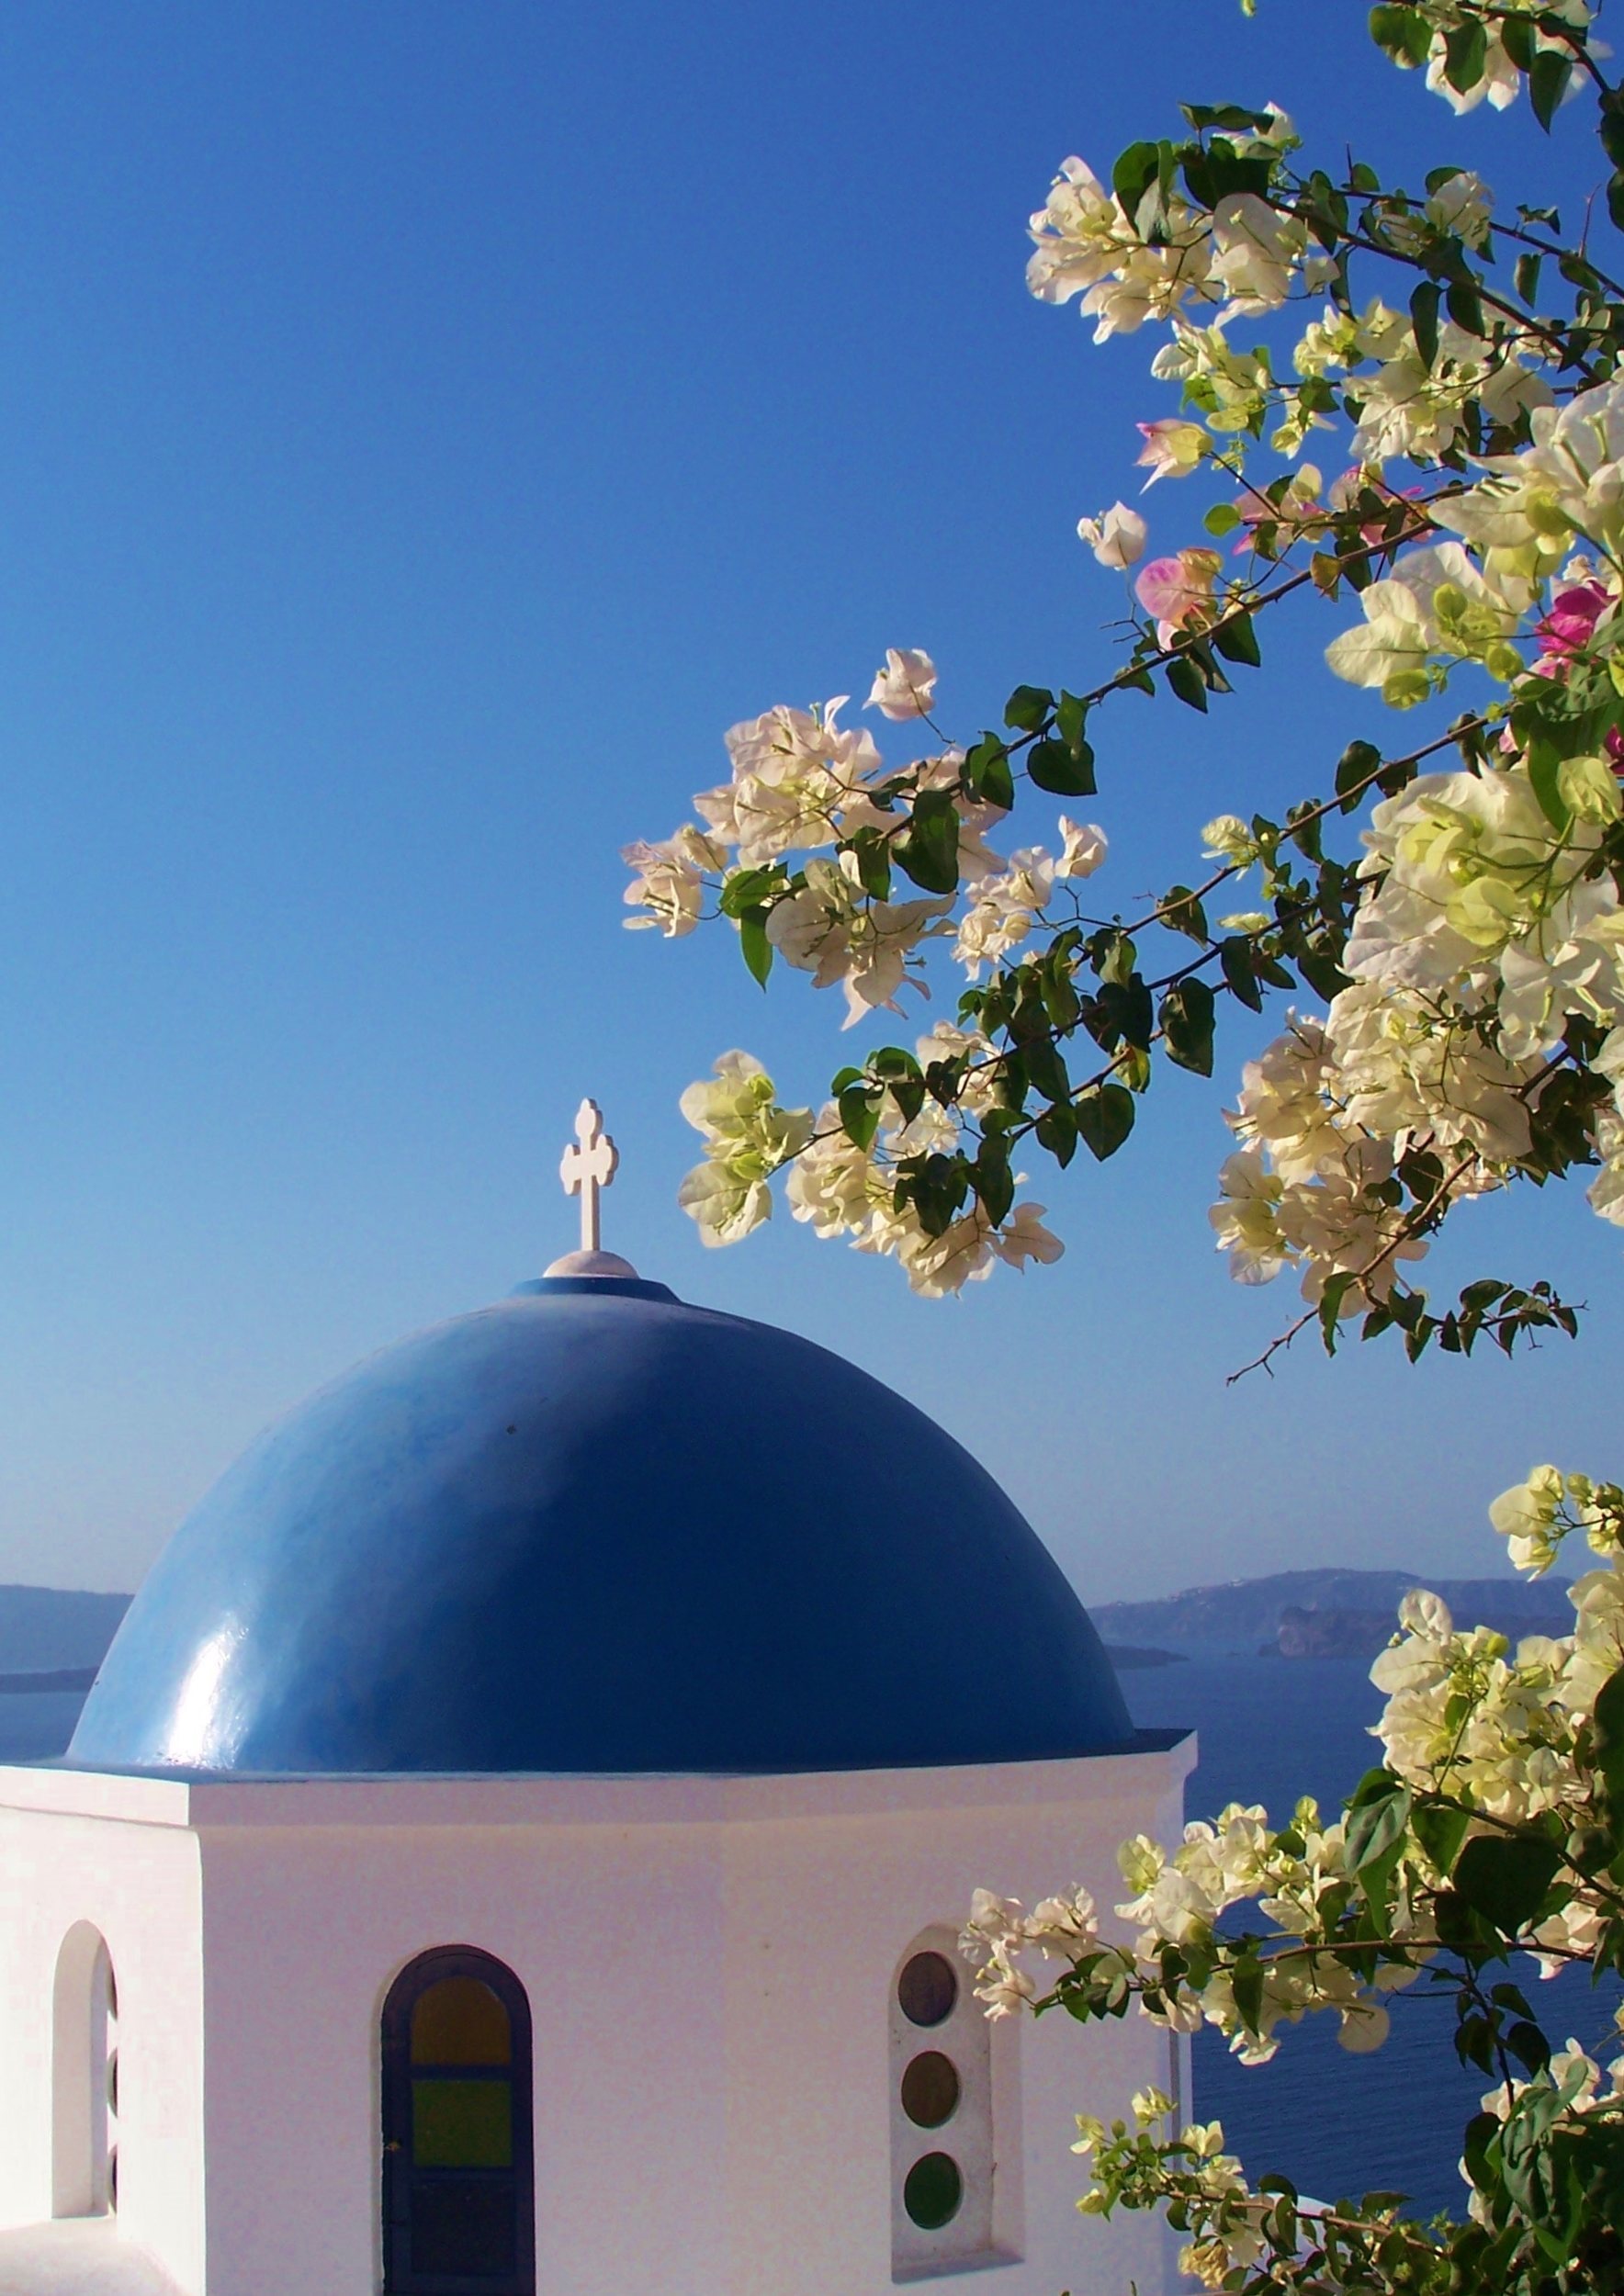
593,1529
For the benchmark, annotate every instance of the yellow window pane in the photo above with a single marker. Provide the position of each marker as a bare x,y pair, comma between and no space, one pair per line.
462,2124
460,2021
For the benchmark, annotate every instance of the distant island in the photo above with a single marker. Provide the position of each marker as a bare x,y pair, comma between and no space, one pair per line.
53,1639
1320,1614
50,1631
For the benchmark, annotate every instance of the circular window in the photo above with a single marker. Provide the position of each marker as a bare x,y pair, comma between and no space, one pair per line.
930,2089
934,2191
927,1989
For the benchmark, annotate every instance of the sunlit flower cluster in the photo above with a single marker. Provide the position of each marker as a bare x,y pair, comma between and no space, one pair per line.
747,1136
1483,931
1168,255
1490,1737
840,1189
803,788
1489,923
1498,82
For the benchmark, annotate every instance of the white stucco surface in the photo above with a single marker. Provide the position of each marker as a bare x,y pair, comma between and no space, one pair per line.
78,2256
710,1964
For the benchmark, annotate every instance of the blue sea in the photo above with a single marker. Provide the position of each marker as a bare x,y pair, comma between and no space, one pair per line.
1270,1730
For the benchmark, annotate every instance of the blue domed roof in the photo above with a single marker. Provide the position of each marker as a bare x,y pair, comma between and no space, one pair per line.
592,1529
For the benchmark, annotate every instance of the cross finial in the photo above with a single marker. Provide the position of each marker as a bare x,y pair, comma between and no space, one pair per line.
588,1166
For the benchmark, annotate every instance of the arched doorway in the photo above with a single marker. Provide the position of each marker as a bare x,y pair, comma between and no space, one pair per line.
83,2078
459,2188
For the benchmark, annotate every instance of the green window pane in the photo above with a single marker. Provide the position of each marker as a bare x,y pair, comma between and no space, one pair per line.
460,2021
462,2124
934,2191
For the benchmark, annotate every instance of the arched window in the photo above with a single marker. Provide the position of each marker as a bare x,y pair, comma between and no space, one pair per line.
83,2078
941,2113
458,2193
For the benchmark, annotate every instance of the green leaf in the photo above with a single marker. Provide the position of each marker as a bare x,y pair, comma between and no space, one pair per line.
1525,271
1478,1298
1135,171
1355,767
1062,771
1320,969
1548,83
1440,1832
1181,913
1616,198
1235,957
1071,716
1202,654
1237,640
1465,51
1046,1068
1121,1012
1527,2044
1505,1877
986,773
753,942
1516,37
1402,33
1330,1306
1465,307
873,851
1186,680
1058,988
1221,520
1029,708
1187,1020
1607,1738
1246,1979
936,1187
1057,1131
1423,306
1545,764
1377,1827
993,1181
1114,955
745,889
860,1114
1234,118
1104,1118
929,851
1610,127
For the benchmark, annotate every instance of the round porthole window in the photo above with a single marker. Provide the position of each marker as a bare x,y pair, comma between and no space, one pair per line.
934,2191
928,1988
930,2089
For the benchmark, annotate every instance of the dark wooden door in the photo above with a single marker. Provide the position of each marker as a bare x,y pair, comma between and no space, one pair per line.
458,2167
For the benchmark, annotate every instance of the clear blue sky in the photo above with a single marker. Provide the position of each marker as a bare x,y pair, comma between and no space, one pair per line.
423,429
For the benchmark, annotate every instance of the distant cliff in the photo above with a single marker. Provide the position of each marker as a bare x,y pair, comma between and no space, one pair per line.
1331,1634
1325,1613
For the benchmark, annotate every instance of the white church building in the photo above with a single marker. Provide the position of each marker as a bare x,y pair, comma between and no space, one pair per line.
516,1843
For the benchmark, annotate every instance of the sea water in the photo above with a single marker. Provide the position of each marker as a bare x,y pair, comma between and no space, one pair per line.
36,1725
1268,1730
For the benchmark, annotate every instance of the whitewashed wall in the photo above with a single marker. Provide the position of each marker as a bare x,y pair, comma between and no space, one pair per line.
123,1860
708,1964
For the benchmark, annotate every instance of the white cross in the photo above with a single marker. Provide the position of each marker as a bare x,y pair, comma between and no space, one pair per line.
589,1168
